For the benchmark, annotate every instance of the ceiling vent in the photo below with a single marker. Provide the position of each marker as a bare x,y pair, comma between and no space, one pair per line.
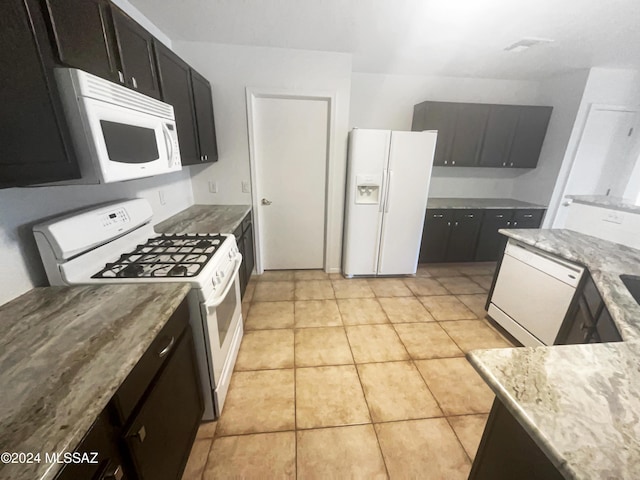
526,43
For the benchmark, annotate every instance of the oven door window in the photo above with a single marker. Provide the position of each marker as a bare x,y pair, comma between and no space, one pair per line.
128,143
224,314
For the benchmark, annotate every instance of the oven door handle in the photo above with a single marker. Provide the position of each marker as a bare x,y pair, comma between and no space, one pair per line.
211,306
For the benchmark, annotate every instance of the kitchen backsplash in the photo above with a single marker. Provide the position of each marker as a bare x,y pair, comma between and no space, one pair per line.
23,207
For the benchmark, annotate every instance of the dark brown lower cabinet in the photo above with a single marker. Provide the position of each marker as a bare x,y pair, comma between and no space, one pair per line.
467,235
490,242
507,452
435,234
160,435
464,235
588,320
101,438
244,239
147,429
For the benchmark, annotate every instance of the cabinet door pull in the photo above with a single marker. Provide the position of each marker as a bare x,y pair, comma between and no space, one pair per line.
499,216
445,162
504,164
141,434
167,349
134,82
453,162
114,473
515,224
120,76
528,216
448,224
511,164
456,224
469,215
438,216
206,157
508,223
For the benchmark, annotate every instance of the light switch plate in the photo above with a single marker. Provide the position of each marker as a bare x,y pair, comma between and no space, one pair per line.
246,187
163,200
213,186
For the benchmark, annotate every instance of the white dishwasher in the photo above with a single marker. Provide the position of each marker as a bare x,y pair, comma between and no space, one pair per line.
532,293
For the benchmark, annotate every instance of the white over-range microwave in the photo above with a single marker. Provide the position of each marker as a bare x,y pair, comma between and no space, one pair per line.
118,134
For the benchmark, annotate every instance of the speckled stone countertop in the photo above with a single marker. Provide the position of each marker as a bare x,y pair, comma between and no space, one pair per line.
613,203
605,261
63,354
580,403
483,203
205,219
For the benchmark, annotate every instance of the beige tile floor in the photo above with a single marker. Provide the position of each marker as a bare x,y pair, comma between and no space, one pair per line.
363,378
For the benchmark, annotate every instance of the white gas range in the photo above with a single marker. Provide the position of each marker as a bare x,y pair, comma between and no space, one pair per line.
116,243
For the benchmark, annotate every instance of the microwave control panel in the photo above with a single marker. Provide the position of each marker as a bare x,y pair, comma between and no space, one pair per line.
114,218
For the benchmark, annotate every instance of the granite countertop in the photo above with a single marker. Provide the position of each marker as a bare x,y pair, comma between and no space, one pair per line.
482,203
205,219
63,354
613,203
605,261
580,403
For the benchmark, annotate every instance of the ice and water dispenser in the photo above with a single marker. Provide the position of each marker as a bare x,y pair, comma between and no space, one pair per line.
368,189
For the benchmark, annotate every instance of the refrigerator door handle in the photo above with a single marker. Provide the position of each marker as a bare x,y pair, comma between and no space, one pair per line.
386,197
383,193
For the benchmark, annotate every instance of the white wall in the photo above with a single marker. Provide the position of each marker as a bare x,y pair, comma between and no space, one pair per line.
21,208
600,86
386,101
564,93
231,69
134,13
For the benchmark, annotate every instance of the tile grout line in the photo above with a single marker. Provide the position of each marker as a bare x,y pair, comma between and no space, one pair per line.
364,395
295,392
424,381
344,329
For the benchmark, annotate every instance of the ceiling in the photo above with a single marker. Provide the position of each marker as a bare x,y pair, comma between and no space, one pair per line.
420,37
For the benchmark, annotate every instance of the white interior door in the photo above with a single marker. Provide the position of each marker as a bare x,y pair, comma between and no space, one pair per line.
602,164
290,142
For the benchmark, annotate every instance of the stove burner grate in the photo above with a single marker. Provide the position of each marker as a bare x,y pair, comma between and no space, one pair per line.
178,255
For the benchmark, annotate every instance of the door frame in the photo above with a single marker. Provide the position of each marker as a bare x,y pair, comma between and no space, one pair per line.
253,94
562,189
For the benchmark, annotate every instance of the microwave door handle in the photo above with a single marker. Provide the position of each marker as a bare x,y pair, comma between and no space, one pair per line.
167,141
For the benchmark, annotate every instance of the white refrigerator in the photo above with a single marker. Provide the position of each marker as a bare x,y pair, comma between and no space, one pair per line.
387,186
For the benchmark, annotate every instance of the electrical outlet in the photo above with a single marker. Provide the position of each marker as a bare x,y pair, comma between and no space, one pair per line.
246,187
163,200
213,186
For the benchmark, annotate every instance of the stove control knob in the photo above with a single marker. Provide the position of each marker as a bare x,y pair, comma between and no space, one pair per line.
231,255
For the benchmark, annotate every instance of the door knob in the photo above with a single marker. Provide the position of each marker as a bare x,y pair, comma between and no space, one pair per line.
265,202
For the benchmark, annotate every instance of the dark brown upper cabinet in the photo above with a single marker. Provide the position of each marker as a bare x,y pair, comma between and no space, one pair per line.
440,116
529,136
34,143
82,34
135,47
471,120
472,134
175,86
501,126
203,102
